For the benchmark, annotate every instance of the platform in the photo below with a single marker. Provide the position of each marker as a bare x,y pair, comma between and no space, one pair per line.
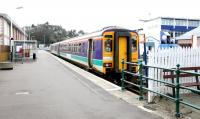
50,88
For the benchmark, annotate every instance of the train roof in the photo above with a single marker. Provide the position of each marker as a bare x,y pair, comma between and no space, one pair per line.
96,33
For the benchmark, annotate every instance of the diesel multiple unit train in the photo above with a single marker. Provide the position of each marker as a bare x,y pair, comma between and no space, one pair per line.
101,51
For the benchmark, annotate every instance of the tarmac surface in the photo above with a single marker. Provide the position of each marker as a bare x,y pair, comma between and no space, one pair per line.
46,89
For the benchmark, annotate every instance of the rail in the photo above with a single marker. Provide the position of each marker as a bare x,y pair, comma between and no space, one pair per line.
177,84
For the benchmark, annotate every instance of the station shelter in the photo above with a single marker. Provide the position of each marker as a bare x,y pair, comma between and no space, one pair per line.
24,50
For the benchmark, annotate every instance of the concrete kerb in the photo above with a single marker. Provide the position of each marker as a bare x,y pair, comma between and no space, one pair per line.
6,65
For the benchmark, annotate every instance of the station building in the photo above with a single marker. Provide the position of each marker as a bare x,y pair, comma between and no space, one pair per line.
166,29
5,35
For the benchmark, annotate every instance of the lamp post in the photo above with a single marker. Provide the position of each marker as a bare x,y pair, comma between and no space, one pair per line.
11,29
21,7
11,35
11,22
24,45
29,33
44,40
11,38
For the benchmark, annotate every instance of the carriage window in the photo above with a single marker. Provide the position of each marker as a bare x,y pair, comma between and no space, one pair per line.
74,47
79,48
70,47
67,47
108,45
83,46
134,45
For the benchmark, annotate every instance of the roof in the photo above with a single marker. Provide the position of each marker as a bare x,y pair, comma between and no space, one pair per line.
95,34
188,35
8,19
152,19
179,18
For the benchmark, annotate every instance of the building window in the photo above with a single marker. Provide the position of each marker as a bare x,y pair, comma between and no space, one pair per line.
167,22
193,23
181,22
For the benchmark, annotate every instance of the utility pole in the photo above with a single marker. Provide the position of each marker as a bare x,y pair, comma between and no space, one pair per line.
44,40
23,59
29,27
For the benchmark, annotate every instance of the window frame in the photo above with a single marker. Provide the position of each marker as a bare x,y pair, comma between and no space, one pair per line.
108,41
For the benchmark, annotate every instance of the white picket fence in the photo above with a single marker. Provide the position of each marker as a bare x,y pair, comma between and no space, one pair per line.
169,58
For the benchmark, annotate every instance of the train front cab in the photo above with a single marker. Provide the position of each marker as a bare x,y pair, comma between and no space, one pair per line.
119,45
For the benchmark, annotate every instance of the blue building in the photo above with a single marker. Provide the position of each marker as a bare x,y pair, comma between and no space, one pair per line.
166,29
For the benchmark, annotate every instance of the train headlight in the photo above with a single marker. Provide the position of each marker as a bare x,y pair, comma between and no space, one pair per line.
107,64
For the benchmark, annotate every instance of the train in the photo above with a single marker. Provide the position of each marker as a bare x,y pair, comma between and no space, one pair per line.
101,51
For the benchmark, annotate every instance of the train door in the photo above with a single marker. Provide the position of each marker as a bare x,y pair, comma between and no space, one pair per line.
122,50
90,53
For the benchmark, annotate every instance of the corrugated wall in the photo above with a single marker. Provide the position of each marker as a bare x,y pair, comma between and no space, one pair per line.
1,31
6,33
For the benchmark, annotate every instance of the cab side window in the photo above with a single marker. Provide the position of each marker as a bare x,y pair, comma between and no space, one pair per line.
108,45
134,45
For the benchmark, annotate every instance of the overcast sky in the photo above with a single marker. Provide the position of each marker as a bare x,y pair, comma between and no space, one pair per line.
91,15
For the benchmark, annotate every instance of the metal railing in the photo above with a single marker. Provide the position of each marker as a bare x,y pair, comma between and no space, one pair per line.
143,88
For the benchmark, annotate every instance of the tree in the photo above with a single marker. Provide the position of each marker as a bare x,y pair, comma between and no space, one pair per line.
47,34
72,33
81,32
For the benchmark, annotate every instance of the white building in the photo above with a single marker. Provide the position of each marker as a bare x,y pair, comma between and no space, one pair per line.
166,29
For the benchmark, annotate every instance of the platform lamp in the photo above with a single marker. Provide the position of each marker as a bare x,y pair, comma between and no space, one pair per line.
21,7
11,38
11,22
11,35
24,45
